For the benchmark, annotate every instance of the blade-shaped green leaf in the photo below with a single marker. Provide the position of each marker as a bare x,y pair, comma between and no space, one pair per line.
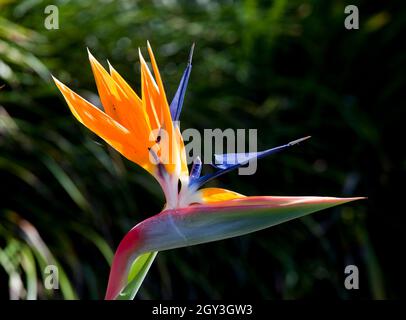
138,271
28,264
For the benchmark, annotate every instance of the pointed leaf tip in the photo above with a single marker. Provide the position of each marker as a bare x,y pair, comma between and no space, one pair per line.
177,102
54,78
110,66
90,55
191,53
292,143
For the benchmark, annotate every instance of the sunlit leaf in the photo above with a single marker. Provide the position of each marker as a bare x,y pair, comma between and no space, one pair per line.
139,270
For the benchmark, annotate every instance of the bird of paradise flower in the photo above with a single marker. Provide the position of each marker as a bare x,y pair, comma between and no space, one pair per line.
146,131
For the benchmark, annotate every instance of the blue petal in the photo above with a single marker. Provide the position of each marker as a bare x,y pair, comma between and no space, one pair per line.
177,102
231,161
224,161
196,170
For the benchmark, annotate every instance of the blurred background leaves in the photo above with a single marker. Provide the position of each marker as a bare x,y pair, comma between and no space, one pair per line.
287,68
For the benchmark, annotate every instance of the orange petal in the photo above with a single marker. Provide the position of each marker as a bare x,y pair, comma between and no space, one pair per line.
119,137
163,103
176,148
184,171
134,99
125,86
158,109
118,105
210,195
150,93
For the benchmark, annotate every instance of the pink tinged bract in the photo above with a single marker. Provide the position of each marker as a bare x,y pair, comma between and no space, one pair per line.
196,224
